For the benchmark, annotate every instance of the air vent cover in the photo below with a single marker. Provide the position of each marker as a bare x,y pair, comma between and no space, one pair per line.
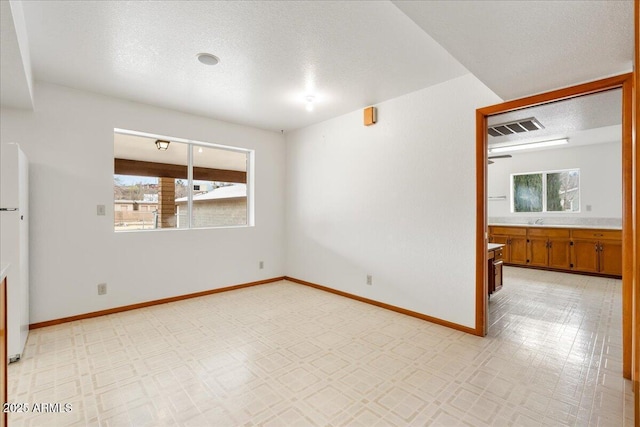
519,126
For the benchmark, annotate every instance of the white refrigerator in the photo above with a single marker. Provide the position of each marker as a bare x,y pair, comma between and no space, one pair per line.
14,244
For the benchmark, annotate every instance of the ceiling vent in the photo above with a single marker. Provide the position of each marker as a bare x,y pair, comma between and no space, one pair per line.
519,126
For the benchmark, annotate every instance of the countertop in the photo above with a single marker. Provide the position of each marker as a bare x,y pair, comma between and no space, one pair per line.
588,227
494,246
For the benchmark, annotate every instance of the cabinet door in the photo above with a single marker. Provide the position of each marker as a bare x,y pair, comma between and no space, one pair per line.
491,277
518,250
560,253
497,278
584,255
611,257
538,252
505,250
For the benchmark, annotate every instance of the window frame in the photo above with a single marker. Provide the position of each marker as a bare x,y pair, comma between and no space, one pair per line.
544,175
191,145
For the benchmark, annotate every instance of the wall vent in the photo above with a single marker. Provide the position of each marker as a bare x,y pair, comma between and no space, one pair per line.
519,126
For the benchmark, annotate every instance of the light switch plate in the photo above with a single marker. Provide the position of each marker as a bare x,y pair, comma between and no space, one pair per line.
102,288
102,210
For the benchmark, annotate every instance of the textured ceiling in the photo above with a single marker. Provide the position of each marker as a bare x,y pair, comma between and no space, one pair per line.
520,48
348,54
571,118
272,54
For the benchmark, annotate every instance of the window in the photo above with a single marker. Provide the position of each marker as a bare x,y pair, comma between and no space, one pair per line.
551,191
185,185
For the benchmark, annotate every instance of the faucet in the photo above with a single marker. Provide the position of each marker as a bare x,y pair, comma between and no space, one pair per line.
539,221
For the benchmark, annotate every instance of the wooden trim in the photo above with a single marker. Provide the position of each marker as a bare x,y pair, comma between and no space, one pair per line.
166,170
557,95
385,306
482,228
635,312
150,303
627,228
246,285
629,245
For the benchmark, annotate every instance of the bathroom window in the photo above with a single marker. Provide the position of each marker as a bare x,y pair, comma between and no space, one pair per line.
549,191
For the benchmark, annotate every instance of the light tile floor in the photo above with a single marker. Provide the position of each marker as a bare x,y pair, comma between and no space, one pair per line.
284,354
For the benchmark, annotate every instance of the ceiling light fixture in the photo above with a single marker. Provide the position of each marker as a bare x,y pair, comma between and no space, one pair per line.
208,59
529,145
309,99
162,144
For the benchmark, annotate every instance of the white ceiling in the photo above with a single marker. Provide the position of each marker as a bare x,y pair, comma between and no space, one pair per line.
272,54
348,54
15,68
590,119
520,48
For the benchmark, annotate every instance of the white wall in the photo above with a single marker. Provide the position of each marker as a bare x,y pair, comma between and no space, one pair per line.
69,142
395,200
600,180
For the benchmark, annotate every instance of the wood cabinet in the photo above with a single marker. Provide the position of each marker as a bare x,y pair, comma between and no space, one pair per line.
597,251
538,251
560,253
497,273
593,251
495,269
584,255
518,248
611,258
515,241
549,247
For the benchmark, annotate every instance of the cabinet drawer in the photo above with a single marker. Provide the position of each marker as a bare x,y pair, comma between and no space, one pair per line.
597,234
509,231
549,232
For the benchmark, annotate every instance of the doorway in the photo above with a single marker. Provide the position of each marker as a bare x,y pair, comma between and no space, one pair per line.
623,82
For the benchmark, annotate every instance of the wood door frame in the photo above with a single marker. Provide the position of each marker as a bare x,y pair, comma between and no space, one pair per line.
624,82
635,313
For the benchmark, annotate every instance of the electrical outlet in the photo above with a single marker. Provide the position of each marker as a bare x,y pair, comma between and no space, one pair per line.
102,288
261,265
102,210
588,208
369,279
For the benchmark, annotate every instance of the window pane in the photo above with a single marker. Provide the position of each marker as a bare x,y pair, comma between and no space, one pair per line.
135,201
563,191
219,187
145,177
182,191
152,189
527,193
